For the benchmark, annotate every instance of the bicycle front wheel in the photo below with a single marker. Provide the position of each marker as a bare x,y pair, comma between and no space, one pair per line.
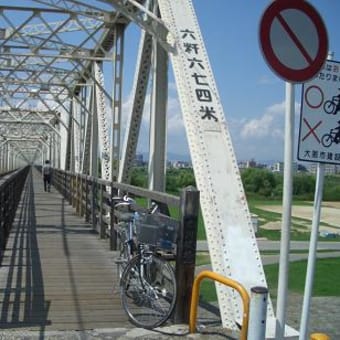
329,107
327,140
148,290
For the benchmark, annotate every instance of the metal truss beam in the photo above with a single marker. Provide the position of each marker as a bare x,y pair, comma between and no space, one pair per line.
141,80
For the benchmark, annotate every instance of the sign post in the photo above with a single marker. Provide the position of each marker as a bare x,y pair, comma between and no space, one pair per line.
295,45
313,243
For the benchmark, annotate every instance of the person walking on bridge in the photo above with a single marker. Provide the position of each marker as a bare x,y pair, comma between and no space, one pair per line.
46,171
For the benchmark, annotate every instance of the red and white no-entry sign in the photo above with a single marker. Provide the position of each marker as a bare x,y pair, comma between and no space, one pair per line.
293,39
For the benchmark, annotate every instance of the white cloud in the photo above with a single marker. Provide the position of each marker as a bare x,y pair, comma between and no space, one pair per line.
270,124
262,138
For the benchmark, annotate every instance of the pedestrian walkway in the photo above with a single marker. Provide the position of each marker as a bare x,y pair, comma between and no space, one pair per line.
56,273
57,278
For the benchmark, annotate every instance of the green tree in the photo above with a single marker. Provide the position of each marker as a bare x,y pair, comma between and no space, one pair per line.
303,186
139,177
258,181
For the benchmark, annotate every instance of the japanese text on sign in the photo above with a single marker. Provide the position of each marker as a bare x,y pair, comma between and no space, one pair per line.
198,75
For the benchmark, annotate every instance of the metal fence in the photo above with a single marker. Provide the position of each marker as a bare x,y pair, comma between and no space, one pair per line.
11,186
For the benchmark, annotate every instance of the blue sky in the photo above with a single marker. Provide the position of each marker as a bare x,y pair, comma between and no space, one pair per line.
253,97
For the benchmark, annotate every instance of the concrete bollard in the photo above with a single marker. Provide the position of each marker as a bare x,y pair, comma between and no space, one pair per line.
257,313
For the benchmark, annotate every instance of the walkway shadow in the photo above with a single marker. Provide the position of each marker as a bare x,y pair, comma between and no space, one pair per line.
21,286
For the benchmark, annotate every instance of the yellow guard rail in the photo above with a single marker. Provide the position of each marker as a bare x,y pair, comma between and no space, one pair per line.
228,282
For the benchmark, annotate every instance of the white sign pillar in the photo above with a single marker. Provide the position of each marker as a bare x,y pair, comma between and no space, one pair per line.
312,251
287,208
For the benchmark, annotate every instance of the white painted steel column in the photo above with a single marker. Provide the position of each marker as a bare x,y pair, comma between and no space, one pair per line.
6,158
71,137
117,90
76,135
9,157
257,313
94,136
59,151
320,175
287,209
52,149
158,126
2,152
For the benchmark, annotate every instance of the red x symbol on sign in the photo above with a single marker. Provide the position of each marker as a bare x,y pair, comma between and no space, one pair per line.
311,130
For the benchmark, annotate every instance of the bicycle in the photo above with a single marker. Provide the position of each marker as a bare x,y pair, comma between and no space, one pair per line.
148,289
147,282
332,106
329,138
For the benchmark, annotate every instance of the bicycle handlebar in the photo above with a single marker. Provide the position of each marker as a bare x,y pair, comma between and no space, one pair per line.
132,206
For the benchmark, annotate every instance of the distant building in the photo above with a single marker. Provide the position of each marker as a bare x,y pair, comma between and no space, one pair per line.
330,169
249,164
279,167
181,164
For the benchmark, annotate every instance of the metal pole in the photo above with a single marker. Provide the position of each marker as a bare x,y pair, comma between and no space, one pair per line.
257,313
286,215
320,175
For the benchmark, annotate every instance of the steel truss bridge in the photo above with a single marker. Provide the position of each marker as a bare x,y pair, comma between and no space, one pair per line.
61,83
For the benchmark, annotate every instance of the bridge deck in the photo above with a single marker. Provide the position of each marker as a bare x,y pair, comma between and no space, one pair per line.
56,272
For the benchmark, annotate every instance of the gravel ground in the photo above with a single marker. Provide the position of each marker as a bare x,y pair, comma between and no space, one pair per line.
324,314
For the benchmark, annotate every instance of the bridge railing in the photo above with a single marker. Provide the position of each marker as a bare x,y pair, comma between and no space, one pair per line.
11,186
91,198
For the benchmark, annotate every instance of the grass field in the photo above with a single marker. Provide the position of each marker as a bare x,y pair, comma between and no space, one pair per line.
326,279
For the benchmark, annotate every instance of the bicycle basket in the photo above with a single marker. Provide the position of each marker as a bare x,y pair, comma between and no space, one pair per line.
157,229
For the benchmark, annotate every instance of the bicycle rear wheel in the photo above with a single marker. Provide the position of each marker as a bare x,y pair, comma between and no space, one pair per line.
148,290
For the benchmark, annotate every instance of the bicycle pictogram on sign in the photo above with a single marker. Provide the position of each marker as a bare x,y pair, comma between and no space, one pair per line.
332,137
332,106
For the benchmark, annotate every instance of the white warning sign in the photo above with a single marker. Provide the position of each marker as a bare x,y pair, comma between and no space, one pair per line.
319,133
